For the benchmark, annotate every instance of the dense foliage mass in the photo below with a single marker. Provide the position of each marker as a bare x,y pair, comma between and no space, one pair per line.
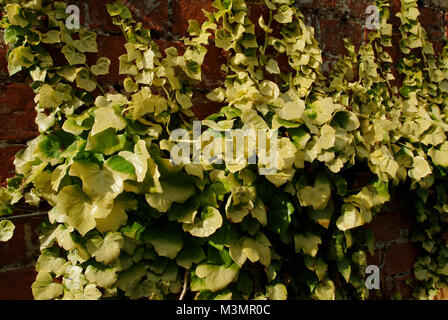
125,222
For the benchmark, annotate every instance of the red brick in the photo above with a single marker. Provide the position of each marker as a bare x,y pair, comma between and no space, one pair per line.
152,13
7,155
18,126
400,258
391,225
350,8
3,61
397,288
16,284
15,97
185,10
212,75
111,47
13,251
35,222
333,32
99,17
202,107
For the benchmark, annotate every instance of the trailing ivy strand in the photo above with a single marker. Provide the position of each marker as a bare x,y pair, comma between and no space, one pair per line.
127,223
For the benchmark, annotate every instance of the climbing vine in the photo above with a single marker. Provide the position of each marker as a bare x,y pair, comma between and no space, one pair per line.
126,222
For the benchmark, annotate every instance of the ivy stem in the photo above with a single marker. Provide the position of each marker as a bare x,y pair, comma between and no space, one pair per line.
265,46
185,285
96,81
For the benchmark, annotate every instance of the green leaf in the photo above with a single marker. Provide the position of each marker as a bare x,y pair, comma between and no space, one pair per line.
280,212
167,243
106,142
131,277
284,14
345,269
308,243
119,9
322,217
190,255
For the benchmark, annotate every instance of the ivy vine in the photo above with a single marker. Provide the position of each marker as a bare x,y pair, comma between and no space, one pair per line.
127,223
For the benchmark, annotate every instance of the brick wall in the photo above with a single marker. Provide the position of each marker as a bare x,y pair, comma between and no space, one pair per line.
333,20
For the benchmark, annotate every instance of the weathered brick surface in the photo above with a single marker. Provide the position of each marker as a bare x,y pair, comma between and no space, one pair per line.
16,284
7,154
332,20
185,10
14,250
152,13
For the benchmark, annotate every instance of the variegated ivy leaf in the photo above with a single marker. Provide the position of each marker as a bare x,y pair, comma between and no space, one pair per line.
86,42
101,67
321,111
316,196
117,216
52,36
420,169
15,15
6,230
439,155
103,277
103,184
44,288
284,14
84,80
325,290
72,56
75,204
106,118
50,261
276,292
350,218
107,249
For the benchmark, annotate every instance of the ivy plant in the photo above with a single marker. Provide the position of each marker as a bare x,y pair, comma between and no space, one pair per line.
125,222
